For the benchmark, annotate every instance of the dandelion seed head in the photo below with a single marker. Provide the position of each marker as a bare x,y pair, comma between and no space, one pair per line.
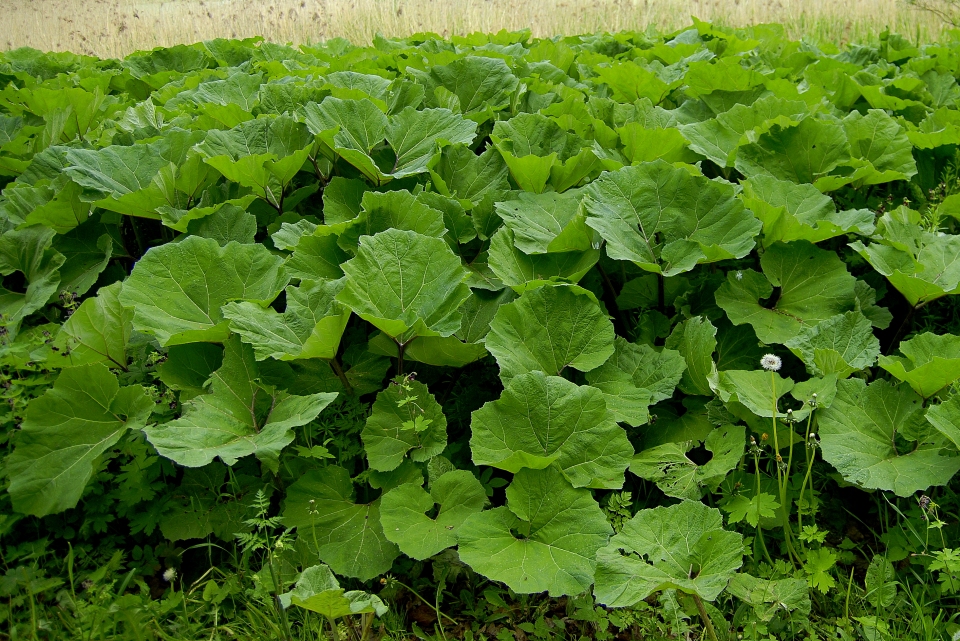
770,362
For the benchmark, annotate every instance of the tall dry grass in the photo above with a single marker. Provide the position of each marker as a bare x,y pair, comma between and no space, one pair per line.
117,27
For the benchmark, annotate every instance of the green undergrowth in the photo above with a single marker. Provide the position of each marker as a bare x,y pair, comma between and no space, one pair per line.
632,336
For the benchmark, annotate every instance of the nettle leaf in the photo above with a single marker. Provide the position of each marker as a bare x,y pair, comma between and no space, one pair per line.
99,330
548,222
876,437
544,540
177,290
237,417
672,470
666,220
635,377
922,273
791,211
64,434
800,153
929,363
946,418
752,509
813,283
403,510
696,341
318,590
404,421
406,284
309,327
539,420
345,535
549,329
686,549
28,252
840,345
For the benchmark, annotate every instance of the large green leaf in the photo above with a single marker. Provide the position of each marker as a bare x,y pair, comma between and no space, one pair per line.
813,283
318,590
416,136
478,87
683,547
380,211
309,327
670,467
667,220
538,151
127,179
548,222
946,418
929,363
549,329
177,290
719,138
771,597
877,438
28,252
635,377
64,434
404,420
521,271
544,540
237,417
99,330
791,211
345,535
800,153
540,419
840,345
406,284
403,510
696,341
921,274
263,154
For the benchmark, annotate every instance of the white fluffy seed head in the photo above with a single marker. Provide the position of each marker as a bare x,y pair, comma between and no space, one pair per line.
169,575
770,362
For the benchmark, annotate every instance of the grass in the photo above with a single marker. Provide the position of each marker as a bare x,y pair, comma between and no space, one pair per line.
110,28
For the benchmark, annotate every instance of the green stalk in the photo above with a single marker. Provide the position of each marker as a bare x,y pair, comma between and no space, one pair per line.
806,476
333,627
781,485
707,623
756,470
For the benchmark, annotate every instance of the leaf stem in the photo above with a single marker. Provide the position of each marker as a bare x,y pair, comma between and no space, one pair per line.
707,623
338,370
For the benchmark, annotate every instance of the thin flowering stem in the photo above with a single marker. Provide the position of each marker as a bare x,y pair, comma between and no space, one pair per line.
772,364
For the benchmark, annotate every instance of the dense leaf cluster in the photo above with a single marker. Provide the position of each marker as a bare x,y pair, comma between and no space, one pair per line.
212,250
